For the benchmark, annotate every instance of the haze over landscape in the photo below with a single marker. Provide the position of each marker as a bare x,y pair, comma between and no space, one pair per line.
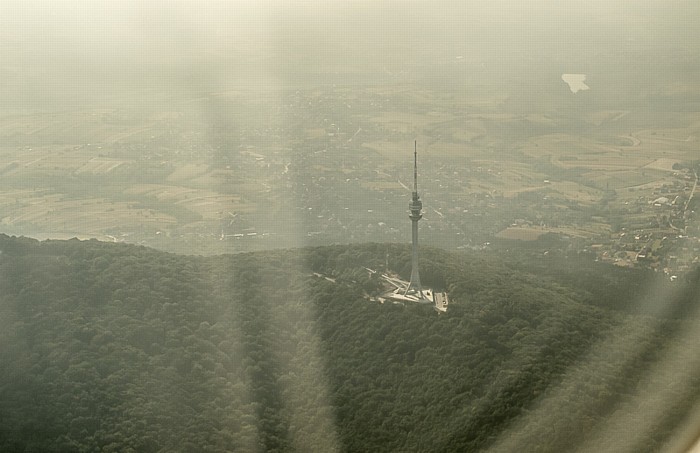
558,163
172,125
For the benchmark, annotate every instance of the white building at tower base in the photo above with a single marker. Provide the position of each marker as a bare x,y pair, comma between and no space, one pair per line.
402,293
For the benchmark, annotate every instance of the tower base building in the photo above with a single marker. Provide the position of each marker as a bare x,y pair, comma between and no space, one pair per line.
402,293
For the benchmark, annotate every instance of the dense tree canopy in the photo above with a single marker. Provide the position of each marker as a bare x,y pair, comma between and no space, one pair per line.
108,347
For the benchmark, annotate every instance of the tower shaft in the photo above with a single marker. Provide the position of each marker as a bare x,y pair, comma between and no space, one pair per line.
414,284
415,207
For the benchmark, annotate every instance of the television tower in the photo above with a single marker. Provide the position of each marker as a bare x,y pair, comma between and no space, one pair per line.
415,206
412,291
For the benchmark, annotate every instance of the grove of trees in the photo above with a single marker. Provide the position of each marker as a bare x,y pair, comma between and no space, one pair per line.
112,347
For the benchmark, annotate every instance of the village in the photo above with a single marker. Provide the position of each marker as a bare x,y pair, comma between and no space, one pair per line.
669,241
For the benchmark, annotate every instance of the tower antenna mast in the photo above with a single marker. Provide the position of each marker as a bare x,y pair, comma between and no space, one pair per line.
415,166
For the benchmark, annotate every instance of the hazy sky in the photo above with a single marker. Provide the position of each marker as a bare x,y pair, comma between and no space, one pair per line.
49,46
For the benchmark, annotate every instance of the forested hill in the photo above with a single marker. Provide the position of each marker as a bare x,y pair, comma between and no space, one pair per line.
109,347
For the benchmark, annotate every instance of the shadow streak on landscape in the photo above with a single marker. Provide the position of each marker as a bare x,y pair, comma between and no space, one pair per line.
252,314
286,378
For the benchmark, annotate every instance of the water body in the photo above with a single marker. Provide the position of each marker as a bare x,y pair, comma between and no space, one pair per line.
575,82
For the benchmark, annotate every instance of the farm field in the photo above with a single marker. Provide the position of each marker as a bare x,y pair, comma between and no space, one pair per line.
165,178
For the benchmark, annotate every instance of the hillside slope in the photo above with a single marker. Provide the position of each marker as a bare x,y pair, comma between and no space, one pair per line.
108,347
